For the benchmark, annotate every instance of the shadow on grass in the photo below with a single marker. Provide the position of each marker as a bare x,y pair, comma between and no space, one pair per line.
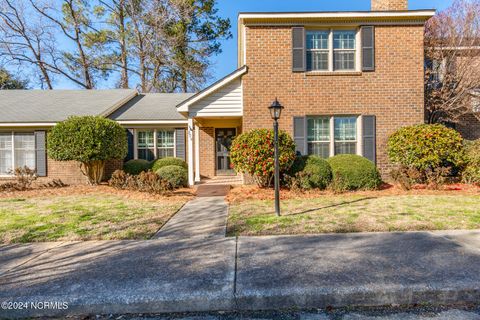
331,206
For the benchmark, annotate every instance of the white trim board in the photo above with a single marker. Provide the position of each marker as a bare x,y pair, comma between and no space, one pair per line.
339,15
184,106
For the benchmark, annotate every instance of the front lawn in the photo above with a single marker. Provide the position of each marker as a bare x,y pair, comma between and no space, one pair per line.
83,213
355,212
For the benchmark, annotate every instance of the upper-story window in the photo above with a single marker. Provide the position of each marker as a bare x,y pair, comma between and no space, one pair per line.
317,50
331,50
344,50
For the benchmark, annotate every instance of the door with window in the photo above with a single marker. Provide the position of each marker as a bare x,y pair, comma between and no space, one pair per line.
223,142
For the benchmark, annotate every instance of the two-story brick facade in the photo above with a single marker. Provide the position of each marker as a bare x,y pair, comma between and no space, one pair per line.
347,81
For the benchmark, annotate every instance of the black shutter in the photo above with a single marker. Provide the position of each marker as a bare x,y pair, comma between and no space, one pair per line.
180,150
299,136
130,154
40,153
368,48
369,138
298,49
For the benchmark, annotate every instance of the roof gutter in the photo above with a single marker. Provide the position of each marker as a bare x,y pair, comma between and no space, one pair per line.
338,15
27,124
134,122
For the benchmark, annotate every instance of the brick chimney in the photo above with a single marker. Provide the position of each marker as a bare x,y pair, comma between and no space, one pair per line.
389,5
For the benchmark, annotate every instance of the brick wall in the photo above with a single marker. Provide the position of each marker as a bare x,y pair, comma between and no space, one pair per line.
393,93
384,5
207,152
469,127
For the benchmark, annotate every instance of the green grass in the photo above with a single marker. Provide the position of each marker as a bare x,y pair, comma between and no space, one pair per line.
82,217
355,213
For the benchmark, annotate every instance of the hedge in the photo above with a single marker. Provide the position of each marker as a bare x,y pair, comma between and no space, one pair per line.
352,172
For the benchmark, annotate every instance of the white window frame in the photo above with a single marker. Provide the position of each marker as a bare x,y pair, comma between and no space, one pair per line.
331,50
346,141
12,137
155,140
164,148
329,133
359,133
327,50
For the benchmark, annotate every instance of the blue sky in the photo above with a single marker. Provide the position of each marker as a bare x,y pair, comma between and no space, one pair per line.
225,62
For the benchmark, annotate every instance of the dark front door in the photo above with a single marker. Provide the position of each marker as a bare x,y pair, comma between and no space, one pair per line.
223,141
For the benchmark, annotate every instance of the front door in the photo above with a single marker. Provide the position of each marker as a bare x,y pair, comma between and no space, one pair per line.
223,141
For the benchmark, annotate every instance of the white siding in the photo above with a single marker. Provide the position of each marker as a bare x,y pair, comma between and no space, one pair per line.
226,101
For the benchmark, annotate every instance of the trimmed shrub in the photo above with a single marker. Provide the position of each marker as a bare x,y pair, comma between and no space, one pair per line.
170,161
426,147
252,153
311,172
145,182
352,172
177,176
136,166
90,140
471,174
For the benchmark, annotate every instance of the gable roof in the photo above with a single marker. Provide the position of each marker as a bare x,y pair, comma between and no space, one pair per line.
151,107
51,106
183,106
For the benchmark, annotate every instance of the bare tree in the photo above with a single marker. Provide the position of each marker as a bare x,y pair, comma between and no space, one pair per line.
25,39
452,50
83,64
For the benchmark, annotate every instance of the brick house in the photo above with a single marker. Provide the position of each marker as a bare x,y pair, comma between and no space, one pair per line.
347,81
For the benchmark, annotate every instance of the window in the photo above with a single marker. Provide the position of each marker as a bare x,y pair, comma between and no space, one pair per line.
344,50
345,135
145,145
328,136
154,144
165,144
339,45
16,150
317,50
319,136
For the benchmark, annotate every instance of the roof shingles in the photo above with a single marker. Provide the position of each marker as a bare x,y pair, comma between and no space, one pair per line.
39,106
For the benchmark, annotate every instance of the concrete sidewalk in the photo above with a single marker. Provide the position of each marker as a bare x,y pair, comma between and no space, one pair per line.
217,273
202,217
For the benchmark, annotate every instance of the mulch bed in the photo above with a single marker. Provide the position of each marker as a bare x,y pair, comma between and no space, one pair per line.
180,194
243,193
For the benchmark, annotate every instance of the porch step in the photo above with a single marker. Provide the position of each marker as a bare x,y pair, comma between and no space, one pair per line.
223,180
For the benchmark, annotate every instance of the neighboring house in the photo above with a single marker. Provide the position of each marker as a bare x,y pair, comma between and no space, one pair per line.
468,123
347,81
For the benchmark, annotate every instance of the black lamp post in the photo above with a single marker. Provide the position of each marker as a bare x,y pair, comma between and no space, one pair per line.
276,112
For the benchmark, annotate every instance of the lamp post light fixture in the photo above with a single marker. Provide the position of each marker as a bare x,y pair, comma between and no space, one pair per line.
275,112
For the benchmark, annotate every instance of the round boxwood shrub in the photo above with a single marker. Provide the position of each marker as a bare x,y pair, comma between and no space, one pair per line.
170,161
136,166
252,153
426,147
352,172
177,176
312,172
90,140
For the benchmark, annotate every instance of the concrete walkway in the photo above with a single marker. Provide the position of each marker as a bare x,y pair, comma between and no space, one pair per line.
205,216
202,217
248,273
